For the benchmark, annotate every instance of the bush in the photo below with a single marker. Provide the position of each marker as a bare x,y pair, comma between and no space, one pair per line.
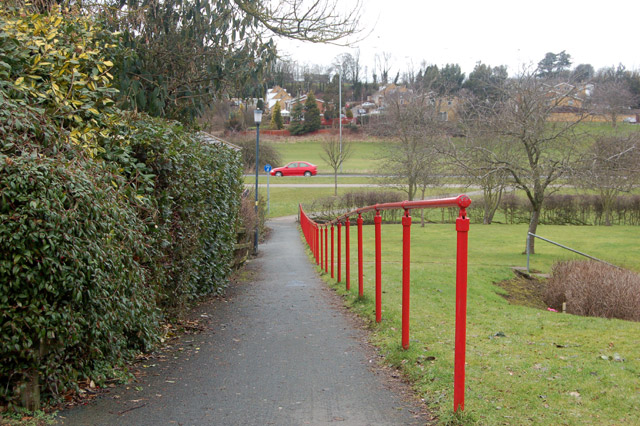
74,294
195,192
594,289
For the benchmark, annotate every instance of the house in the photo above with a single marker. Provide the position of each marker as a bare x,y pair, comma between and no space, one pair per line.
447,107
277,95
379,98
567,95
302,99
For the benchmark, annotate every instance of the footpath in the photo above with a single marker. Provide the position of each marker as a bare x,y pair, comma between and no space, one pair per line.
279,349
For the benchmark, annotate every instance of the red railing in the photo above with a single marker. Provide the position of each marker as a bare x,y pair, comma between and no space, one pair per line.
314,235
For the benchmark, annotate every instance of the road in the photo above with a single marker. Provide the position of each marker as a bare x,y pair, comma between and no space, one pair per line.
279,349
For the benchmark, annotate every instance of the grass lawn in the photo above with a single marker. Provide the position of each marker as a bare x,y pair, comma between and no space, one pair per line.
365,158
524,365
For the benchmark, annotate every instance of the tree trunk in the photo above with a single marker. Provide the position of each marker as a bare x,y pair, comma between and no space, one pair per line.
533,226
335,180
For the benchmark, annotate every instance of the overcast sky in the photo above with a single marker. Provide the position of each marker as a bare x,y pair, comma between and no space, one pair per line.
497,32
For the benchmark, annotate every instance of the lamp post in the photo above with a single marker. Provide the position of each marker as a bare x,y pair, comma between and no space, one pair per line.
340,112
257,117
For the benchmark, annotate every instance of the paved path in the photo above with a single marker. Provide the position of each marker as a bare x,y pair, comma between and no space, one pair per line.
278,350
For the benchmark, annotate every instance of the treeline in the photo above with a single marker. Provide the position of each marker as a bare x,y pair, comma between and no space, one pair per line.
110,220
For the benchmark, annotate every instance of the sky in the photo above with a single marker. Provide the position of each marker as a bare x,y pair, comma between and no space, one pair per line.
515,33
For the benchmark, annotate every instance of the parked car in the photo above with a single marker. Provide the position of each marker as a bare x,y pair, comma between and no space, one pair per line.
296,168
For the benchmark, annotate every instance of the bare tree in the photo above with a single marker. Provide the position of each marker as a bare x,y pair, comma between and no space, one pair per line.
472,157
611,98
336,152
383,65
412,162
611,166
539,151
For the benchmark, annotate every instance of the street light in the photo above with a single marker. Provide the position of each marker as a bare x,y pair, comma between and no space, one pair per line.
257,117
340,113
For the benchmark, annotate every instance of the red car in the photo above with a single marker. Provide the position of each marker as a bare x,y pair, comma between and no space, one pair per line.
296,168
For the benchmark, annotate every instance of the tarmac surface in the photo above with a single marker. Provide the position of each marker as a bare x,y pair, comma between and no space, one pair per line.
278,349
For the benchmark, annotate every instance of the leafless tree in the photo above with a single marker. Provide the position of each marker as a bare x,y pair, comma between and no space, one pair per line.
412,120
611,98
383,65
336,152
538,151
472,156
611,166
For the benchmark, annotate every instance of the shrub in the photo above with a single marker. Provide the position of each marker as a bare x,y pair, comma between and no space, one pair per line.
69,80
74,295
595,289
196,193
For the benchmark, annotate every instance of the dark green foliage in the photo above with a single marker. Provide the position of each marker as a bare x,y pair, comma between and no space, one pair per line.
312,120
277,122
297,120
196,195
104,216
184,54
74,296
486,82
553,64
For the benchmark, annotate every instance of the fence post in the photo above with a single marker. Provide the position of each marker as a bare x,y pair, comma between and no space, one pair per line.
332,250
326,249
462,228
339,251
347,268
360,284
377,220
406,276
315,245
321,249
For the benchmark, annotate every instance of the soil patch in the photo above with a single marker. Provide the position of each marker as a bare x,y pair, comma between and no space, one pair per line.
524,291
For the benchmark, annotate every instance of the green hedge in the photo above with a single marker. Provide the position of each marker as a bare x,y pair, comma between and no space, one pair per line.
195,191
109,221
73,292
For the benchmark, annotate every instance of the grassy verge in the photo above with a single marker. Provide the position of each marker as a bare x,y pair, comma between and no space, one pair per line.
525,365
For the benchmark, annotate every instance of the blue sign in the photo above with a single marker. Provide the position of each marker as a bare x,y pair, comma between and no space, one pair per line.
267,168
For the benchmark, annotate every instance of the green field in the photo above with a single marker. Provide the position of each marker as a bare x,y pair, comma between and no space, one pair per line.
547,369
366,156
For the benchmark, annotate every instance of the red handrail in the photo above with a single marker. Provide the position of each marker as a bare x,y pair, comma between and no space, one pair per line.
311,230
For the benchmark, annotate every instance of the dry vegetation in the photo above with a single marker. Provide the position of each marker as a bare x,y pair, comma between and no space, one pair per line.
594,289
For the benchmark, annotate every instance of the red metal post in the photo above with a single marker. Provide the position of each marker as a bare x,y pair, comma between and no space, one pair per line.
377,220
315,246
462,227
339,252
406,275
332,250
326,249
347,269
360,284
320,250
